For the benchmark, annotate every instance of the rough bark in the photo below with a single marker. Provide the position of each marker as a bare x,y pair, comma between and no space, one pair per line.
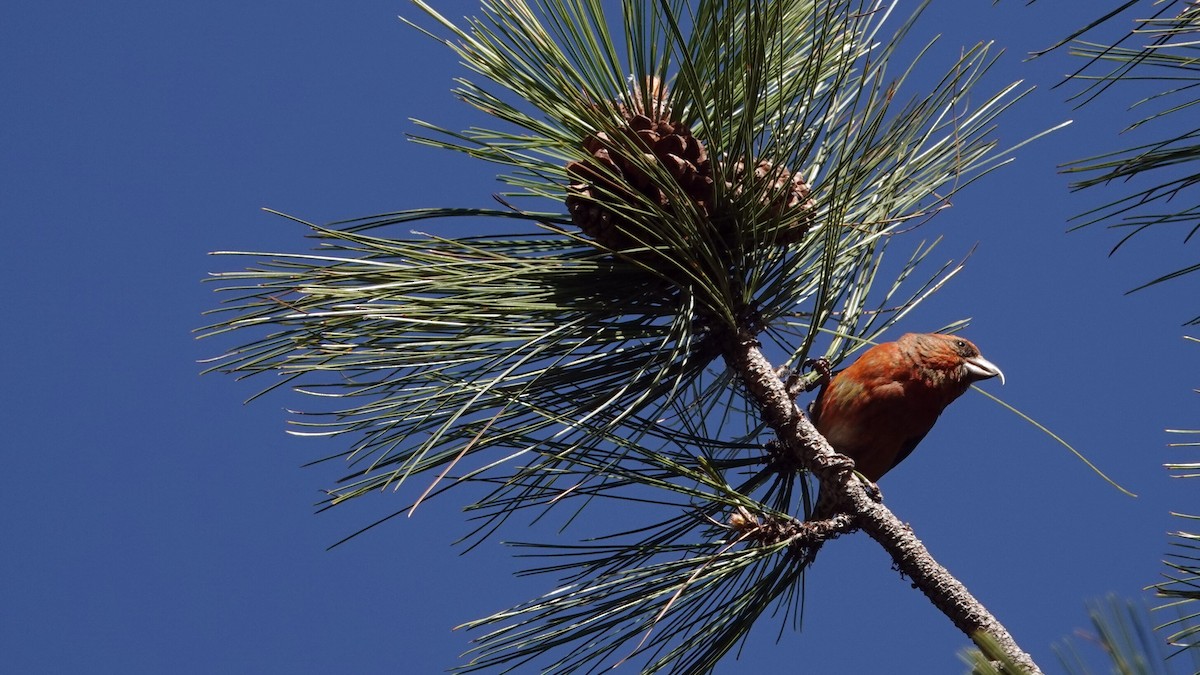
800,438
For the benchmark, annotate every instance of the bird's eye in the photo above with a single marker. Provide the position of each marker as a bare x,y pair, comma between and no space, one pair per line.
961,344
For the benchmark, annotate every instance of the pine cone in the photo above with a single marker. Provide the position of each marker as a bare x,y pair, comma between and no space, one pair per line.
784,194
667,143
616,176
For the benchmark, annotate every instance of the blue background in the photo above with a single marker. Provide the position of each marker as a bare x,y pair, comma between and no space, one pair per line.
152,523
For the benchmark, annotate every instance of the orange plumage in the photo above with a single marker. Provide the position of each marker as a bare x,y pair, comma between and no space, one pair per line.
877,410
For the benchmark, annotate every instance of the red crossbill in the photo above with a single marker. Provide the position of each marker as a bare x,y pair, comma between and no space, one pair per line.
877,410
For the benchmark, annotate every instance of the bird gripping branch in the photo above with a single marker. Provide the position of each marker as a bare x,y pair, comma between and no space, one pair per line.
878,409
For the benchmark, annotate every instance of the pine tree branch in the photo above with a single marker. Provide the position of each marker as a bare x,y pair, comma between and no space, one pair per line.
910,557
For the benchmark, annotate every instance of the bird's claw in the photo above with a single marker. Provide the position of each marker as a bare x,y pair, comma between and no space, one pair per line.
872,490
835,463
822,367
796,383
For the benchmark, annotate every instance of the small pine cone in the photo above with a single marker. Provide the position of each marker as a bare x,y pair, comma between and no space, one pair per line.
785,194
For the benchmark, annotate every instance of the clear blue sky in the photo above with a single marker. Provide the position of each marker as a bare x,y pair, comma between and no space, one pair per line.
152,523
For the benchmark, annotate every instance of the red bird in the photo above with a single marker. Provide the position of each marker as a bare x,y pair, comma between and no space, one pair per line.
877,410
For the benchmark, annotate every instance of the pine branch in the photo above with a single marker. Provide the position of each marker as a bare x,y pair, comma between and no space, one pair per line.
557,366
909,555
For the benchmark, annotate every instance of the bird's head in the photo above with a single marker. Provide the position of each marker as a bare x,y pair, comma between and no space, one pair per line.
949,356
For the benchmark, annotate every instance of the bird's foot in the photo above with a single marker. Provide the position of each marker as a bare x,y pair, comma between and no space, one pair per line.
872,489
822,368
835,467
795,381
